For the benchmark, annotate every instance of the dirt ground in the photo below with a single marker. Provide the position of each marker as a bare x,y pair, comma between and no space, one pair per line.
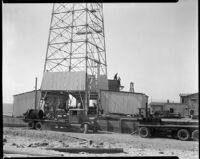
34,141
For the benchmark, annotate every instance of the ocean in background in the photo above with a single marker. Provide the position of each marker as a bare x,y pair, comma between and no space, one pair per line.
7,109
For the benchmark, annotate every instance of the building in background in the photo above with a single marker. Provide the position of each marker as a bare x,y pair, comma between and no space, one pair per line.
123,103
192,101
189,105
24,101
176,108
8,109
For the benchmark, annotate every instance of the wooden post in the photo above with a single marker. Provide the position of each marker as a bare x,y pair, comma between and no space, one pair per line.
35,93
120,125
146,112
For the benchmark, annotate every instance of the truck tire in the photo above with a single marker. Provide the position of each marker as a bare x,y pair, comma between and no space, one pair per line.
38,126
195,135
144,132
183,134
31,125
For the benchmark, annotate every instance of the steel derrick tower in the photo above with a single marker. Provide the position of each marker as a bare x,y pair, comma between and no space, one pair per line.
76,39
76,43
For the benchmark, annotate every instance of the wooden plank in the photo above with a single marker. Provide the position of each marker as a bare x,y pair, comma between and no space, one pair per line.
12,122
88,150
128,125
103,124
6,151
174,126
113,125
179,120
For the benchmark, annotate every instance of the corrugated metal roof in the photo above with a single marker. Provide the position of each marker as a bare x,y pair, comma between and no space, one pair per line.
25,92
62,81
184,94
156,103
164,103
125,92
177,104
187,94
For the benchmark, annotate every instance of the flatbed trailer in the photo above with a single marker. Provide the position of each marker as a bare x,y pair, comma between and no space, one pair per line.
183,129
76,121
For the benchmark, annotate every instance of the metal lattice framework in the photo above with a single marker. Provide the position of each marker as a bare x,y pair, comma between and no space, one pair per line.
76,39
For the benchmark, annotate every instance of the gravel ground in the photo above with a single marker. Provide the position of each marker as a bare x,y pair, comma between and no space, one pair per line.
34,141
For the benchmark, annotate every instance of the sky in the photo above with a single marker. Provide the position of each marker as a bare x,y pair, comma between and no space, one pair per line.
154,45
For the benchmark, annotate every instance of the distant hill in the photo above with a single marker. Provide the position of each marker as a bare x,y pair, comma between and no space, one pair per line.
7,109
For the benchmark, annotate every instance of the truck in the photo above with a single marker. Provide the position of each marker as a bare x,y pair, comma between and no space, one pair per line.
74,120
181,128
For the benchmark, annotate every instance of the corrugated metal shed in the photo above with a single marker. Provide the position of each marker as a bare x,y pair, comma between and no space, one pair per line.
103,82
113,85
71,81
62,81
24,101
7,109
122,102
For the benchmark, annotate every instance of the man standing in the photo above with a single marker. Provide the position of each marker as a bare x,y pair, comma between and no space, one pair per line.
115,77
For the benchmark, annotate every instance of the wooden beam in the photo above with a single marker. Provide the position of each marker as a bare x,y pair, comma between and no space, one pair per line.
88,150
5,151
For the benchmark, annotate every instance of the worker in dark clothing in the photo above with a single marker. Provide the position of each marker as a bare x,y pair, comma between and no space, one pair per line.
119,81
115,77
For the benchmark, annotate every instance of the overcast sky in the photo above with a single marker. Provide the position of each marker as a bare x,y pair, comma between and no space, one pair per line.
153,45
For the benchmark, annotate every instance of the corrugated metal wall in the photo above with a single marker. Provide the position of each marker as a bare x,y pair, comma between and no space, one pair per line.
122,103
25,101
62,81
71,81
113,85
103,82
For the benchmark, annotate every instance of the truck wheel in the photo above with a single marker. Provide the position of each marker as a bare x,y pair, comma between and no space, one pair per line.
31,125
144,132
183,134
195,135
38,126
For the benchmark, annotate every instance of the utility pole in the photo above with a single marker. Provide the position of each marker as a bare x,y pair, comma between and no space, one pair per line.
35,93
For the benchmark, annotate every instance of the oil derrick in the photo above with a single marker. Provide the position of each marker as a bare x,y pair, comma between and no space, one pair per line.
76,43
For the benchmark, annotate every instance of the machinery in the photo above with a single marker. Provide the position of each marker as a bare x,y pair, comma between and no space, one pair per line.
75,64
181,128
74,120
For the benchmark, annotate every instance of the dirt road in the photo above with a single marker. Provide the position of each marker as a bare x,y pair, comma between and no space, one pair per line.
34,141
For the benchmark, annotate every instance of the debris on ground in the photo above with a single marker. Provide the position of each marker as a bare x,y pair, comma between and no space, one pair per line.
36,142
18,145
